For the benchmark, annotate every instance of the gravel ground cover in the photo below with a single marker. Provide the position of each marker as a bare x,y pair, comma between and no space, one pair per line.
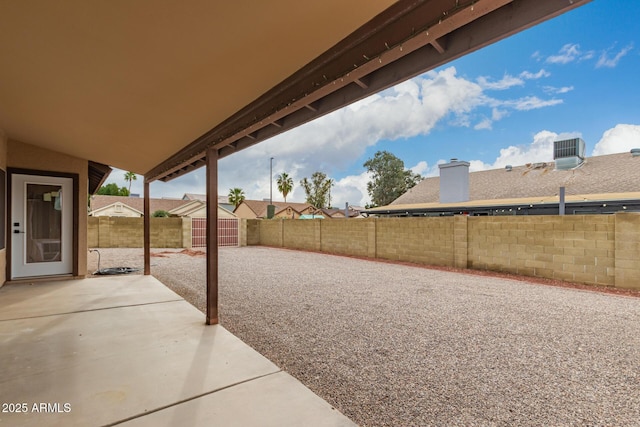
398,345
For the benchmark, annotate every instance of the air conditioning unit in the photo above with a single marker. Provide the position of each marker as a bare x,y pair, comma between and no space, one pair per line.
569,153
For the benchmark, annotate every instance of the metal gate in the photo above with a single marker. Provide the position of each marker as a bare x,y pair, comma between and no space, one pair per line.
227,232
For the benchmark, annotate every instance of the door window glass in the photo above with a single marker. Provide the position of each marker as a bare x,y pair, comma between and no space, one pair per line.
44,223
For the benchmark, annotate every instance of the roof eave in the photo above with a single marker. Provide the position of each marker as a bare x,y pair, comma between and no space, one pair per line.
407,39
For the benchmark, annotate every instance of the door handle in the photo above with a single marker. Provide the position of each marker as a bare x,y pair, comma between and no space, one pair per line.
18,232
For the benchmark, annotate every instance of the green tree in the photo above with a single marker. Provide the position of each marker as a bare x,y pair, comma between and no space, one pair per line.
389,178
160,214
236,196
112,189
130,177
285,184
318,190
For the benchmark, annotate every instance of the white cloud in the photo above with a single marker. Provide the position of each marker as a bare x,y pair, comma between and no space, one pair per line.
421,168
621,138
590,54
534,76
487,123
558,90
497,114
506,82
606,61
568,53
530,103
484,124
351,189
478,165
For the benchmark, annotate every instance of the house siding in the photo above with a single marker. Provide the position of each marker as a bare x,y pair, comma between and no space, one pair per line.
243,211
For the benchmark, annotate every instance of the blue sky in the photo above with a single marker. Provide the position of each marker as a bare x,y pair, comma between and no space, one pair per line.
575,75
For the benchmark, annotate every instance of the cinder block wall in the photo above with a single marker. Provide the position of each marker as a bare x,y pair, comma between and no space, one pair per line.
627,249
252,231
302,234
115,232
420,240
590,249
186,233
349,237
576,248
270,232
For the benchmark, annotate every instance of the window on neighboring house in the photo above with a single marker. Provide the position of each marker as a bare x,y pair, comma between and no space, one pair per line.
118,207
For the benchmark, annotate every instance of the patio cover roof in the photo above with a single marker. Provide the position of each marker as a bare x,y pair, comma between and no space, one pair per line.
148,86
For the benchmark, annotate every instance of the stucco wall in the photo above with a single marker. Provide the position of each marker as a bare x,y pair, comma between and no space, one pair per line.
27,156
243,211
591,249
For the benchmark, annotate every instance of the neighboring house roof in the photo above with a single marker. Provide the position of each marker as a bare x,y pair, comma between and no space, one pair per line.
178,207
108,211
285,211
98,202
259,207
338,213
222,200
188,208
198,209
553,199
613,173
227,206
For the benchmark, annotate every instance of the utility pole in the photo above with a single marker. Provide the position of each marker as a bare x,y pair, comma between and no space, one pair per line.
271,181
270,209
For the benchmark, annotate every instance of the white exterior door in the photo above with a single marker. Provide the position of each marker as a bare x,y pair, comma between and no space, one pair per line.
41,226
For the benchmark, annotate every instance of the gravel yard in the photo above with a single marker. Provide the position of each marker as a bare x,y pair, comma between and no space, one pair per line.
398,345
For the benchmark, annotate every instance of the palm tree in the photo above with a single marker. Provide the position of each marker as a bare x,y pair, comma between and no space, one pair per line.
285,184
130,177
236,196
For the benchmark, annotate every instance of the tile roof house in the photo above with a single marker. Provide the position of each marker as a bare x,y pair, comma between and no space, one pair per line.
600,180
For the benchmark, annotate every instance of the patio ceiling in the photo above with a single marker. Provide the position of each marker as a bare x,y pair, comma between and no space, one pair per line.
148,86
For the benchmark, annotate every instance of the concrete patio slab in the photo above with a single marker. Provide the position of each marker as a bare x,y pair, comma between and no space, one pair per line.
103,351
68,296
276,400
